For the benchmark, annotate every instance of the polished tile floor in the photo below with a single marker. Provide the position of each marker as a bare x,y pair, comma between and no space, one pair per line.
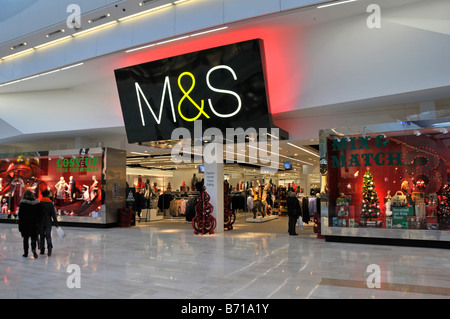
164,259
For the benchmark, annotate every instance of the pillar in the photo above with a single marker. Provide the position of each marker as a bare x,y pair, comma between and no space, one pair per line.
214,187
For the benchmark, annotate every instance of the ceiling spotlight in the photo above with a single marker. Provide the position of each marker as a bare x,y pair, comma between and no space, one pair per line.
54,33
17,46
99,18
417,133
443,130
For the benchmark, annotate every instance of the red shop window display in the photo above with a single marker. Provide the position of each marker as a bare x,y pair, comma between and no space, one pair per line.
74,181
390,180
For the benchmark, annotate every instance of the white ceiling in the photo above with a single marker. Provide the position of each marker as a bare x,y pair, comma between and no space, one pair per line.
96,72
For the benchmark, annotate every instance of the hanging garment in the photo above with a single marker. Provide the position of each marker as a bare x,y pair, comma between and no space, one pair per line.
249,203
312,205
305,210
183,202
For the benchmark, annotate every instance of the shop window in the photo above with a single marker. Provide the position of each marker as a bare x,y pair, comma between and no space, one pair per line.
393,180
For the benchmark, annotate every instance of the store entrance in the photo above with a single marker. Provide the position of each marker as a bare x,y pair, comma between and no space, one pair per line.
164,194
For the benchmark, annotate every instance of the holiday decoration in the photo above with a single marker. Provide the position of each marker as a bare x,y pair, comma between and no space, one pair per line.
317,228
443,213
422,164
203,222
229,216
369,206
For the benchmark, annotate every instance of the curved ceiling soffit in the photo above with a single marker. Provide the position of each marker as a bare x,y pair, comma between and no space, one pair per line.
11,8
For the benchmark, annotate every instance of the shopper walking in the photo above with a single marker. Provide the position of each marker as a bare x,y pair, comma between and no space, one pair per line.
29,222
48,216
294,211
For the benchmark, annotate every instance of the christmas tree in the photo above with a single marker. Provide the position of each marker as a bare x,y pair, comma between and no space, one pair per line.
369,206
443,214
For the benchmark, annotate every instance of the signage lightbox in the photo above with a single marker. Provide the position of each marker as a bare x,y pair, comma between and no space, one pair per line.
224,87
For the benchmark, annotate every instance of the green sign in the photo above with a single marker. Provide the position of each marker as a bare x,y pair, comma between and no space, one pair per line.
400,216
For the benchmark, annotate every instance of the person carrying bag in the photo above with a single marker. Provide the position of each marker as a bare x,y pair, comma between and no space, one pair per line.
48,216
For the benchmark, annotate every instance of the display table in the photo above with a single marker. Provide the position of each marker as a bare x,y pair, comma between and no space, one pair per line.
260,219
153,215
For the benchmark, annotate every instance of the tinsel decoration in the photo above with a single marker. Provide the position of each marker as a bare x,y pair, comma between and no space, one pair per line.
443,213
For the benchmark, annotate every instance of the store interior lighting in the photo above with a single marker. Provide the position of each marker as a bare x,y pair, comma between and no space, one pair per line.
304,150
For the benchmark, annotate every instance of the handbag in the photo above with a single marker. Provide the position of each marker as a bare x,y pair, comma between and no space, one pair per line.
60,232
300,222
399,199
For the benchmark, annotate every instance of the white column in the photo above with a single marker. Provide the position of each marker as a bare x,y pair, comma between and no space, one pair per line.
214,187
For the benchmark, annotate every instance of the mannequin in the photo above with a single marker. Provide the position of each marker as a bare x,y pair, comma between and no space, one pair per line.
265,200
405,190
94,187
140,185
61,191
72,189
16,191
257,200
387,201
193,182
91,191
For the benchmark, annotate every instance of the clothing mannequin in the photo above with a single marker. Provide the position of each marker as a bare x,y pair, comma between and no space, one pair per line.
91,191
72,189
16,191
405,190
388,204
140,185
257,200
94,187
61,191
264,199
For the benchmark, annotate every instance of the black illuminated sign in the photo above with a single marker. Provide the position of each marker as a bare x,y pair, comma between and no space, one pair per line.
224,87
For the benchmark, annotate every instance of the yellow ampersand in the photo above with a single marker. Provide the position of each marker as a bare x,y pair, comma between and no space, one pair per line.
186,95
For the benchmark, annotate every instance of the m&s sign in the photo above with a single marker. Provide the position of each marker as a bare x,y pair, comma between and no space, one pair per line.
222,86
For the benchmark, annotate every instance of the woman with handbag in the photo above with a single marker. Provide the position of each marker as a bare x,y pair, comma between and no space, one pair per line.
29,222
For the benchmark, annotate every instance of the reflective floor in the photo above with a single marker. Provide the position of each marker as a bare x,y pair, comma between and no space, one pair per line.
164,259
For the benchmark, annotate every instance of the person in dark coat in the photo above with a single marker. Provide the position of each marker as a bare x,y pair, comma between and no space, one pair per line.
294,211
29,222
48,215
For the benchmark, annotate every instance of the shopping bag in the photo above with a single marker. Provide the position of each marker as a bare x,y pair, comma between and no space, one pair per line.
60,232
300,222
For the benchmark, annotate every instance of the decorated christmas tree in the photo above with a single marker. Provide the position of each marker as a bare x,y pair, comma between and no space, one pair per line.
444,208
369,205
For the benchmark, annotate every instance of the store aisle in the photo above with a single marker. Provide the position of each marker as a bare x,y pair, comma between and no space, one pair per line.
158,261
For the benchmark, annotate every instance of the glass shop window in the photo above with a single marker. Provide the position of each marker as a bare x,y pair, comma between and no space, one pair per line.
390,180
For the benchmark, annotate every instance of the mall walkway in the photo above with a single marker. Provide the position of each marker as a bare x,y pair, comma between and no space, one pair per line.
166,260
